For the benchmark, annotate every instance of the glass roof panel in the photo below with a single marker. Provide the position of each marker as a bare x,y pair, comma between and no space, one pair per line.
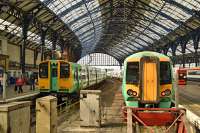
80,13
156,19
17,31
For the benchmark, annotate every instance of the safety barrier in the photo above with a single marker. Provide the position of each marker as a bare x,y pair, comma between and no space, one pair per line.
147,118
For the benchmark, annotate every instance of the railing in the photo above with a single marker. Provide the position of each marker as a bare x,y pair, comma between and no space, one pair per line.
148,118
65,109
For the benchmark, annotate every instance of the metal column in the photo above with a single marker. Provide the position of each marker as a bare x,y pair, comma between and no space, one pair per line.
196,38
173,47
25,24
43,36
35,57
54,42
183,43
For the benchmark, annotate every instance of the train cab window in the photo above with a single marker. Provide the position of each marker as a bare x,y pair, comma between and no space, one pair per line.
165,73
54,72
43,70
132,73
64,70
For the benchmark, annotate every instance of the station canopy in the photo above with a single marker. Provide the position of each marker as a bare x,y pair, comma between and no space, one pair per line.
122,27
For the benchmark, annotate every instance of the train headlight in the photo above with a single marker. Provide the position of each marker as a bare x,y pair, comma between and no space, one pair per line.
163,93
131,92
166,93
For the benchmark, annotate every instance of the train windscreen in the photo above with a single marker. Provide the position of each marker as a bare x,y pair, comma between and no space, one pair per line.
64,70
43,70
165,73
132,73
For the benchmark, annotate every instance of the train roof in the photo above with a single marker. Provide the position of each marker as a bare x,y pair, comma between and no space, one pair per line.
146,53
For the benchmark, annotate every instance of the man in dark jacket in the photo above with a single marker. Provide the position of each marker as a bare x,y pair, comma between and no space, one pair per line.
32,82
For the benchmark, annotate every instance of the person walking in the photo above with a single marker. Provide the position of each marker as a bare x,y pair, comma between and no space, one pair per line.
19,84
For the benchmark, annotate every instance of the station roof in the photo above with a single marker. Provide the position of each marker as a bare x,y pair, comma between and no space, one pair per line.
41,17
115,27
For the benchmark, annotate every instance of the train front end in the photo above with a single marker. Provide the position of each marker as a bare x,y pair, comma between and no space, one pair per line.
147,80
55,77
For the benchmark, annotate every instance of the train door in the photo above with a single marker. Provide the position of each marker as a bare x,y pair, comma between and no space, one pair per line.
54,76
149,79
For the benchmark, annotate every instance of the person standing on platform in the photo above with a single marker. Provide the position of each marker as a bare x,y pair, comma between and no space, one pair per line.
32,81
19,84
1,82
1,88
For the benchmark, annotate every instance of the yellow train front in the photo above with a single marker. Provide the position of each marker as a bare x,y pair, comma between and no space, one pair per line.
148,81
66,78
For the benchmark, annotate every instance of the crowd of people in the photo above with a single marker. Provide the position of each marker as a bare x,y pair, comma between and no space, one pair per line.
19,83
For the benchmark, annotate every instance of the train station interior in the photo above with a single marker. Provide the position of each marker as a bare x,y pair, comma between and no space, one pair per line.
99,66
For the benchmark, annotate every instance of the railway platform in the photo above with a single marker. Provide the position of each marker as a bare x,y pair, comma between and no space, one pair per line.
11,95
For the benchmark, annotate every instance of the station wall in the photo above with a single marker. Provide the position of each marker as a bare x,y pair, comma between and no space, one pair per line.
13,51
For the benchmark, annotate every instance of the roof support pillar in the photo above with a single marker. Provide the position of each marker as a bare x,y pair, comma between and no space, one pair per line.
173,47
62,46
35,57
26,18
166,49
54,42
195,38
183,42
43,32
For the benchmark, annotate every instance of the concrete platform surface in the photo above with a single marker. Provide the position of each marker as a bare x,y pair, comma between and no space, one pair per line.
11,94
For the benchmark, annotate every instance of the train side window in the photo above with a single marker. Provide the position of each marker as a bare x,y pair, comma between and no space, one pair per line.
76,74
43,70
132,73
83,74
165,73
64,70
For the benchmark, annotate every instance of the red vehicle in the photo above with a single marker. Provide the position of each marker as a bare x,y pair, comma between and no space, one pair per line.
182,76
